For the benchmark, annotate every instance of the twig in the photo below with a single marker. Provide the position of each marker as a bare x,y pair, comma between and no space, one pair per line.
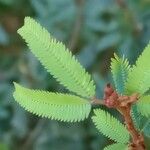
137,138
123,104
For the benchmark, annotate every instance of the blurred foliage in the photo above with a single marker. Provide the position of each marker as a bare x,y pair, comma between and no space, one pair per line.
93,30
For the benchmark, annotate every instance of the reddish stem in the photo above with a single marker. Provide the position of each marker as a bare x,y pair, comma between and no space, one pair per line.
123,104
137,138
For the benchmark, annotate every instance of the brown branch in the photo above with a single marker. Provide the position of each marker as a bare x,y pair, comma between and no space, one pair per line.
123,104
137,138
124,107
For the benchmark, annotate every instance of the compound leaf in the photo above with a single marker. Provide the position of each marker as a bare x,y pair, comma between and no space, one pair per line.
137,118
143,105
110,126
139,75
146,128
117,146
141,122
56,106
57,59
119,68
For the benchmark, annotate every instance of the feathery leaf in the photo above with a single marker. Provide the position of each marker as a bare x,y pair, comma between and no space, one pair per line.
143,105
137,117
56,106
146,128
57,59
139,75
117,146
141,122
119,68
110,126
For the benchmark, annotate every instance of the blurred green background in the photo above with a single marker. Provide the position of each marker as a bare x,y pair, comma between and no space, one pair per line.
93,30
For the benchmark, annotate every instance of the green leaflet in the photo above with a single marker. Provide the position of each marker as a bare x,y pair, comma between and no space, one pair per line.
138,78
137,118
56,106
110,126
143,105
140,121
146,128
119,68
57,59
116,146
